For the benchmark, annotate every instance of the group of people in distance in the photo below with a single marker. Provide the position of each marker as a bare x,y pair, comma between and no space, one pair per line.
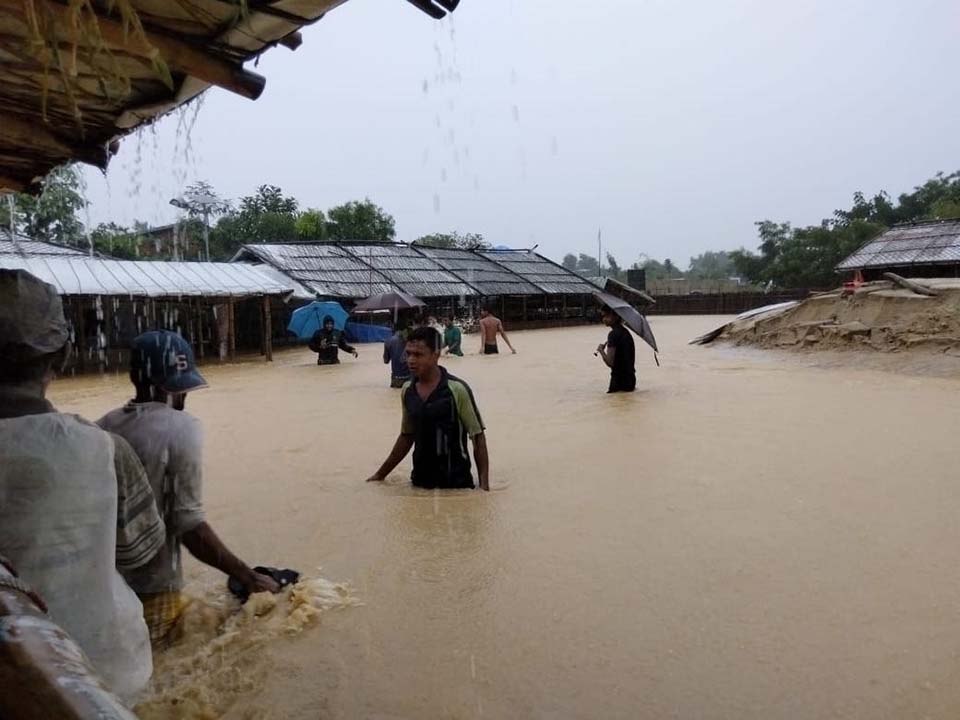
94,516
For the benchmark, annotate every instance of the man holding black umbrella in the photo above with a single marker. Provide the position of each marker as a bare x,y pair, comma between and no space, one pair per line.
618,353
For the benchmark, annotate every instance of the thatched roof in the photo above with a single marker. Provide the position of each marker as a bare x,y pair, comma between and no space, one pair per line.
76,76
923,243
358,270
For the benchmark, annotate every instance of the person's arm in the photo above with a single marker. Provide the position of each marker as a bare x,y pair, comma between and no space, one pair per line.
469,415
386,352
503,334
140,529
483,460
347,348
205,546
607,353
400,449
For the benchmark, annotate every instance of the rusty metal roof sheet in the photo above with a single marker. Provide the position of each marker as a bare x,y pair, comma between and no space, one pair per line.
924,243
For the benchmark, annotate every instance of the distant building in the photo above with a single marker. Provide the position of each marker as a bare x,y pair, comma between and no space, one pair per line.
919,249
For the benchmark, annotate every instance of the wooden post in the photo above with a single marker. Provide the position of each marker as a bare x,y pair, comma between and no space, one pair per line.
503,306
80,336
267,329
563,312
524,308
198,307
232,331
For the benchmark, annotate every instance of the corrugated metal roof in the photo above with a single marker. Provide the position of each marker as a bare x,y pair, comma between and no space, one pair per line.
927,243
95,276
357,270
26,246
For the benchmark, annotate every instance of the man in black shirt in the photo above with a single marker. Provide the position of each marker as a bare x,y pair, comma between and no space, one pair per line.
439,415
618,353
328,341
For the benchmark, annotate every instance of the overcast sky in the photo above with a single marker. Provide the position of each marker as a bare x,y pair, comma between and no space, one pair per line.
672,125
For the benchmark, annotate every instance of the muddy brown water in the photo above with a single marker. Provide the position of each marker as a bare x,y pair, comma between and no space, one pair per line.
745,537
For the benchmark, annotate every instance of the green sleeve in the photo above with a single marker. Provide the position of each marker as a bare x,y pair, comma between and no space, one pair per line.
406,423
467,408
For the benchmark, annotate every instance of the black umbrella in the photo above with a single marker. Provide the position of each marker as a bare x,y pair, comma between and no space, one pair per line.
630,316
389,301
395,301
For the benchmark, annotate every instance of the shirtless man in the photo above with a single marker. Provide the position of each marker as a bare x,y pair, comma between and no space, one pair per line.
490,327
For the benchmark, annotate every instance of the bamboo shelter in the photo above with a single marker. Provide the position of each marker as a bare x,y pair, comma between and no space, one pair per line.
520,285
78,75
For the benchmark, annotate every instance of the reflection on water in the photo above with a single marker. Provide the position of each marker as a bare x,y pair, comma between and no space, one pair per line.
727,542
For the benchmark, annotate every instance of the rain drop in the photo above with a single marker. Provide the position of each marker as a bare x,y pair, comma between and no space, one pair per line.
516,113
436,203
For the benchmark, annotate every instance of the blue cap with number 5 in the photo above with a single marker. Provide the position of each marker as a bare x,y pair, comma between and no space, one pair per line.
165,359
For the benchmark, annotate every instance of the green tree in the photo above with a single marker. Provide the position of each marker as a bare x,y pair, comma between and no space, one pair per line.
711,265
614,270
570,261
264,217
50,216
269,199
311,225
587,265
116,241
462,241
360,221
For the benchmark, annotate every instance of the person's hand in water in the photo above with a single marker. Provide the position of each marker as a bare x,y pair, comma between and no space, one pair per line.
261,583
513,351
356,354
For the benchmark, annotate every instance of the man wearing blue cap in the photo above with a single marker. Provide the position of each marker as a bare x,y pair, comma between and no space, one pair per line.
169,443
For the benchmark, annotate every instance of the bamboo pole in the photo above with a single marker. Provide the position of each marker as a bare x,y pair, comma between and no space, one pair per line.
268,329
81,336
232,331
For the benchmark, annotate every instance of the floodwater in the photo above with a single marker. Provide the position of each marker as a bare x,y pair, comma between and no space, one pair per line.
744,537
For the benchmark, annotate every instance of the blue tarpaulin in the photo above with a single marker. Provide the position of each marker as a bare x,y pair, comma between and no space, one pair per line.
357,332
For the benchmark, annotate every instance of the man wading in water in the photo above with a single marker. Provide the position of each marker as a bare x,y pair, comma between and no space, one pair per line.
328,341
169,443
490,327
618,353
439,414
